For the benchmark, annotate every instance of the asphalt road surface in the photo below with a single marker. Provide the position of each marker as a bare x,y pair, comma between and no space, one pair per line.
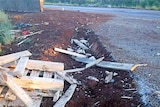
117,11
133,36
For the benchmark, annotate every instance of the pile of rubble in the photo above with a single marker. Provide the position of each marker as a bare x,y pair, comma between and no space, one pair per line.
24,82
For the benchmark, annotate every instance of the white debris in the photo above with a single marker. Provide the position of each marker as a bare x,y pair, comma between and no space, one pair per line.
70,49
92,78
92,58
115,74
108,77
79,50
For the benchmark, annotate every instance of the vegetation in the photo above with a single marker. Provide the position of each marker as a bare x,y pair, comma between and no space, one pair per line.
141,4
5,26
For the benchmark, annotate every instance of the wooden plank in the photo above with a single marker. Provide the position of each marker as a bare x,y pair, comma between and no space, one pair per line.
39,83
111,65
73,70
10,96
20,68
45,65
18,91
66,97
70,53
94,62
12,57
81,45
25,36
68,78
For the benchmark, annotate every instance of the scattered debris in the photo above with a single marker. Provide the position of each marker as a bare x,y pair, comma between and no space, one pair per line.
92,78
33,75
112,65
108,77
22,41
126,97
81,45
31,34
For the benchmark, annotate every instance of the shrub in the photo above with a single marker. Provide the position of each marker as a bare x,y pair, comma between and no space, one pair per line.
5,26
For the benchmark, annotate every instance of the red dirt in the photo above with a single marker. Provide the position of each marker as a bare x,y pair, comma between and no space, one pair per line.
58,33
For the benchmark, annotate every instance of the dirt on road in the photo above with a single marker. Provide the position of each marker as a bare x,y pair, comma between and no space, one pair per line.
59,28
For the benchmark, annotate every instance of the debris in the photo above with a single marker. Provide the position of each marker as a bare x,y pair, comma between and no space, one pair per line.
39,83
19,92
70,49
45,65
66,97
79,50
115,74
112,65
84,42
92,78
69,53
133,89
108,77
126,97
31,34
81,45
56,96
158,54
12,57
68,78
73,70
94,62
20,68
22,41
25,32
10,96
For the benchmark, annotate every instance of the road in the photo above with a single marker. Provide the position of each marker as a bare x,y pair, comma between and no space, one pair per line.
133,36
117,11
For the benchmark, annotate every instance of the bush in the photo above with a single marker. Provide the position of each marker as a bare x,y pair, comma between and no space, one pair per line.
5,26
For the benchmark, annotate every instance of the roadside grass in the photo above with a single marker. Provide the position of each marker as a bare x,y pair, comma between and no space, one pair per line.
5,27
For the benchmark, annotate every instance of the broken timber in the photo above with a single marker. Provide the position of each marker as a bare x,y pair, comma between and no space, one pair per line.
12,57
20,68
111,65
81,45
66,97
70,53
19,92
39,83
45,65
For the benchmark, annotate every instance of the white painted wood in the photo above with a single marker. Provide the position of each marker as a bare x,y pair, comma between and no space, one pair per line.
69,53
66,97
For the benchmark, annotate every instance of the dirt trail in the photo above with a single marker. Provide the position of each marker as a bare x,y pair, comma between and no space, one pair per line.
135,40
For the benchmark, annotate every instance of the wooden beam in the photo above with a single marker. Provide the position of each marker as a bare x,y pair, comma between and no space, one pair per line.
45,65
39,83
18,91
67,78
70,53
20,68
94,62
66,97
111,65
12,57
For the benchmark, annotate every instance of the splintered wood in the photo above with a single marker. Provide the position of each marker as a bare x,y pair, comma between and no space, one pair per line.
31,80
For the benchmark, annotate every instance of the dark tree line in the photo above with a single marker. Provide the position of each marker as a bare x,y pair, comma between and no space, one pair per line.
113,3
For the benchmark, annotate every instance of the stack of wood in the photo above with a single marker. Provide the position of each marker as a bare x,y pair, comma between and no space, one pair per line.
24,82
